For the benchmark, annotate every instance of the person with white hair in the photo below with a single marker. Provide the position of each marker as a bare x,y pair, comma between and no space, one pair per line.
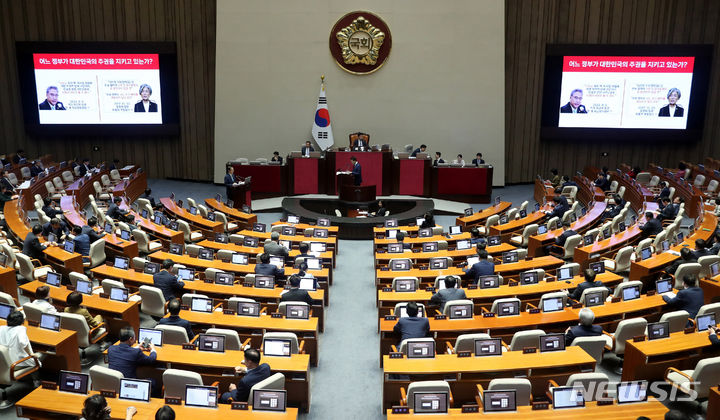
273,247
585,327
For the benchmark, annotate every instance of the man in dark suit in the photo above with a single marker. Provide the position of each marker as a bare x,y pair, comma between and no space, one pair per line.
356,171
89,230
35,169
5,181
668,210
588,283
420,149
295,294
82,241
478,160
484,267
360,142
147,195
438,159
714,341
277,158
115,165
145,105
664,191
672,108
689,299
85,167
686,257
450,292
264,268
229,180
51,103
49,209
305,151
173,308
19,155
304,249
400,238
561,206
32,246
567,232
253,371
115,212
125,358
614,209
652,226
585,328
412,326
574,106
167,282
56,227
701,249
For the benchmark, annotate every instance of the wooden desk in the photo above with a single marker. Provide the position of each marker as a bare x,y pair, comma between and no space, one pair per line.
711,288
652,409
332,230
244,220
158,232
544,191
537,243
40,402
480,217
513,227
8,281
693,196
133,188
127,312
215,366
331,241
713,408
252,252
406,228
417,240
83,187
385,257
469,371
197,222
63,343
649,359
251,327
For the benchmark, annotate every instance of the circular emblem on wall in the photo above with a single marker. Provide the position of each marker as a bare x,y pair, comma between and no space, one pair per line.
360,42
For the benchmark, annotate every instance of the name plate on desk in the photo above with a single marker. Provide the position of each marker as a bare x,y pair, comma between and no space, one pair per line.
384,268
107,393
430,289
549,279
513,283
616,299
465,353
638,338
248,284
528,350
470,408
188,346
390,317
70,287
415,250
424,267
540,405
472,287
276,315
207,280
381,251
184,308
605,402
33,323
229,311
173,401
440,317
577,305
104,295
387,289
396,355
48,385
488,314
400,409
534,310
688,330
240,405
651,292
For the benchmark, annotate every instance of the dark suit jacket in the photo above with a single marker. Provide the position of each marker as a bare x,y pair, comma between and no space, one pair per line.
45,105
582,331
228,184
445,295
677,263
689,300
577,293
665,192
94,236
412,327
169,284
51,212
304,150
357,174
61,230
113,211
179,322
560,240
269,270
140,108
82,244
360,143
436,161
714,340
32,246
6,184
126,359
35,170
278,159
84,169
567,109
652,227
415,152
296,295
665,111
669,211
482,268
476,163
251,378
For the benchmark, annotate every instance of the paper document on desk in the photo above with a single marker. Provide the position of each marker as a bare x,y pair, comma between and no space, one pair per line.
673,252
671,295
342,172
127,168
25,185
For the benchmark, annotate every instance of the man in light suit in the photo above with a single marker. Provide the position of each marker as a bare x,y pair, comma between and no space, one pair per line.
356,171
448,293
273,247
585,328
482,268
574,106
689,299
305,151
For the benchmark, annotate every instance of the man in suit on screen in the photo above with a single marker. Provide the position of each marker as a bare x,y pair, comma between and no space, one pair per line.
51,103
356,171
574,106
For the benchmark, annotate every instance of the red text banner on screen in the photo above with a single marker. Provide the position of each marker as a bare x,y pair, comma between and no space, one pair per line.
96,61
609,64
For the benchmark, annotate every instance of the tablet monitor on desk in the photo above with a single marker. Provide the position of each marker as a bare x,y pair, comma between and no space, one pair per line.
69,246
74,382
238,258
537,206
463,244
258,227
109,228
542,229
567,397
307,283
225,279
53,279
391,223
134,389
565,273
205,254
420,349
680,237
522,213
154,336
193,210
632,392
399,265
211,216
269,400
425,233
320,233
50,322
5,310
286,244
288,230
489,282
430,402
499,401
588,239
705,321
494,240
119,293
645,253
214,343
313,263
201,396
658,330
621,226
552,342
663,286
221,238
455,230
488,347
438,263
265,282
318,247
176,249
714,269
552,304
324,222
51,237
201,304
594,299
187,274
122,263
248,308
598,267
391,233
395,248
293,219
158,219
430,247
461,311
278,262
472,260
276,347
503,220
293,311
469,211
251,241
631,293
151,268
529,277
405,285
419,221
510,257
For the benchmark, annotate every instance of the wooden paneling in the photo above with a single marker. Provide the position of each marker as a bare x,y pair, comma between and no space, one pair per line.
189,23
532,24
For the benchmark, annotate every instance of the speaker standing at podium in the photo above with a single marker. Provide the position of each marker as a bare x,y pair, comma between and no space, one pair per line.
229,181
356,171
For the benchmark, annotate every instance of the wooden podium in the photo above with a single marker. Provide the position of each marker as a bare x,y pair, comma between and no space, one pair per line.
348,191
240,194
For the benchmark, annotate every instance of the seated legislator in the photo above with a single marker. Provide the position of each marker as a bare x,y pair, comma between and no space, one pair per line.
438,159
689,299
147,194
32,246
356,171
714,340
115,164
585,328
304,249
652,226
701,249
478,160
305,150
273,247
459,160
49,208
295,294
167,282
35,168
560,207
42,299
264,267
664,191
5,181
567,182
173,308
85,167
448,293
412,326
82,241
400,238
383,211
589,282
360,143
484,267
668,210
476,237
74,300
420,149
115,212
253,372
89,230
14,337
6,195
95,407
686,257
560,240
57,227
125,358
555,180
428,221
614,209
277,158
